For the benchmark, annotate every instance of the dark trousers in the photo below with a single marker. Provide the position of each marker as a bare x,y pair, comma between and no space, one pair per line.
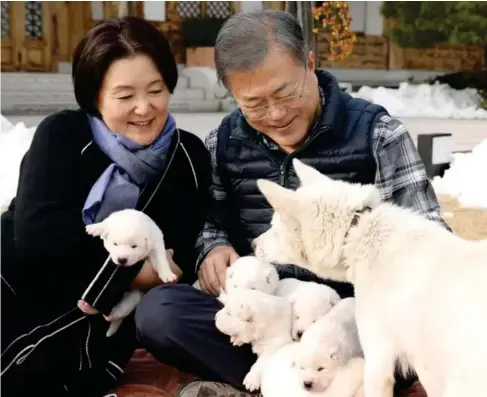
176,324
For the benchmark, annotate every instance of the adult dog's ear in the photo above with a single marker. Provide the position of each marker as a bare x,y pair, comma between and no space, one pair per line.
307,175
281,199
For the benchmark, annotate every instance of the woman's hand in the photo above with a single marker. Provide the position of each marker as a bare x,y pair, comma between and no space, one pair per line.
145,280
148,277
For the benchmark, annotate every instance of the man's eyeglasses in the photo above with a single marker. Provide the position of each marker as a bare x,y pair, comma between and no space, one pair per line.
290,102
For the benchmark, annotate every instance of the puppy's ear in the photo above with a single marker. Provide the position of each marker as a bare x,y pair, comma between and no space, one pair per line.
307,175
271,274
104,235
281,199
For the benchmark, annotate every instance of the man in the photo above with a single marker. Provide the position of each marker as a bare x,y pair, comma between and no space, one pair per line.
286,110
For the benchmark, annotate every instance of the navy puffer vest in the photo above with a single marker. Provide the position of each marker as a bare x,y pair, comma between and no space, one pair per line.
340,146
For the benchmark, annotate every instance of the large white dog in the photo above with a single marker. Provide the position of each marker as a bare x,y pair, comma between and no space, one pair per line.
263,320
420,290
130,236
309,301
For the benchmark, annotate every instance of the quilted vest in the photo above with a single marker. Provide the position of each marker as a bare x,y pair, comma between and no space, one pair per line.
339,145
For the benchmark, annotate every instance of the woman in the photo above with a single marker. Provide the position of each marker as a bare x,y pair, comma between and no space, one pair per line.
121,149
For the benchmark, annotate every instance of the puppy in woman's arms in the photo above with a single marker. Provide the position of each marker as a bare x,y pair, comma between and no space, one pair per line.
130,236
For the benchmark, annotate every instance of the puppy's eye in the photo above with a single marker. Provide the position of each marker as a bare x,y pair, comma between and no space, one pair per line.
249,319
297,317
115,244
133,246
319,369
253,288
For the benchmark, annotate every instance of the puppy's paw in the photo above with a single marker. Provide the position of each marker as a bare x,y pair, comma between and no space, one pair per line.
252,380
168,277
95,230
114,326
236,341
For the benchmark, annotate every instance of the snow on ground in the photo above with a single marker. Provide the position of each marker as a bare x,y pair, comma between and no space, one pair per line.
425,100
14,142
462,180
466,178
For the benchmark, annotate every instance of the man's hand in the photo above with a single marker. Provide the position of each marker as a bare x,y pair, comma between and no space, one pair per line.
213,269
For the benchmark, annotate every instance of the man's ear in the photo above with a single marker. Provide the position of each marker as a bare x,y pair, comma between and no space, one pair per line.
282,200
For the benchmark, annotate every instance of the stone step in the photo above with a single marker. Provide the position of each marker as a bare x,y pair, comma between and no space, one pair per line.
197,91
12,81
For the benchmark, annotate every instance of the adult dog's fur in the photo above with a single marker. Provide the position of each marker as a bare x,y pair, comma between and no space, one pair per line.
420,290
130,236
249,272
263,320
309,302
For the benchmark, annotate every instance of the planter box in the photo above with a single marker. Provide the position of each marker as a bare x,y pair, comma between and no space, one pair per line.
200,57
369,52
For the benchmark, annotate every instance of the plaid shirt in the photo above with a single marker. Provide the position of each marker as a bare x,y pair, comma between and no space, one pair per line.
400,177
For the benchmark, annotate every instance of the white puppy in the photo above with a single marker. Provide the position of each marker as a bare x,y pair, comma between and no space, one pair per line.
248,272
327,348
130,236
309,301
281,378
420,289
263,320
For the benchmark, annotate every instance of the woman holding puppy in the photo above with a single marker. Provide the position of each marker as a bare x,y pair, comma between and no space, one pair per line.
121,149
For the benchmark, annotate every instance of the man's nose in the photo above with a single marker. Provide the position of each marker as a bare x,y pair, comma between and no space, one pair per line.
275,113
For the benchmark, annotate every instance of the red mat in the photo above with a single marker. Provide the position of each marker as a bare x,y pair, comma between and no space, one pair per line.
146,377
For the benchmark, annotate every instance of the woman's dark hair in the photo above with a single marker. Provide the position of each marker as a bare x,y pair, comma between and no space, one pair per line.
113,39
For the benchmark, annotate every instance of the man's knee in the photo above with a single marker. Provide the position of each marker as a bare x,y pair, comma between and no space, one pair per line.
159,314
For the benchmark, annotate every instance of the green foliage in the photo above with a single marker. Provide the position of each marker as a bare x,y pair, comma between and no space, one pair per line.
421,24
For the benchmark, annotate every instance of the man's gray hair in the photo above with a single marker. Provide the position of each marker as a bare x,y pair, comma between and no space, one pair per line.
246,38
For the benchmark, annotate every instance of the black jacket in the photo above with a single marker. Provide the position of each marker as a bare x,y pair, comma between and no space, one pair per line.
48,260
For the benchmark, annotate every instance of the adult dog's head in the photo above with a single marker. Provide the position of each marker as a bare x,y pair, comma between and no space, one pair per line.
310,224
250,316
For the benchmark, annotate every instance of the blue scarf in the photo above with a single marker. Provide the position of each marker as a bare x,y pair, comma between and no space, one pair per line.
133,166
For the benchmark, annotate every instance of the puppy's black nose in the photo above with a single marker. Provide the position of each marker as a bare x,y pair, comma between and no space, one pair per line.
308,385
299,334
122,261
